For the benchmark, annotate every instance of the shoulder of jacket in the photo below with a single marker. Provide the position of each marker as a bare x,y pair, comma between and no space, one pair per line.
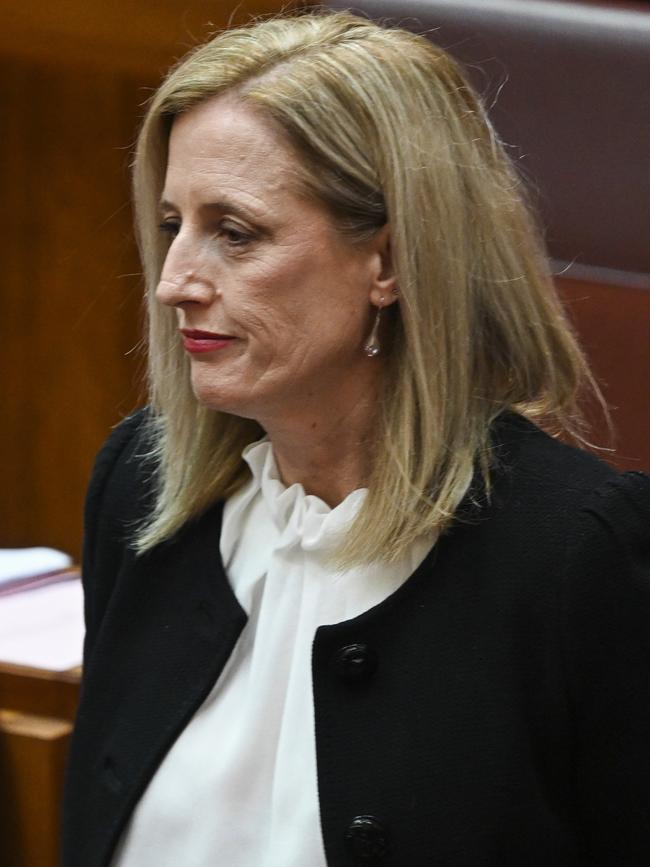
555,493
542,464
123,470
619,510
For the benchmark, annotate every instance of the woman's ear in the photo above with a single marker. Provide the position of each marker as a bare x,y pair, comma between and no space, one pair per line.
384,281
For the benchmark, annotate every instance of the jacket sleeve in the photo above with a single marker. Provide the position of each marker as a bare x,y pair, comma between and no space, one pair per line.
606,618
105,522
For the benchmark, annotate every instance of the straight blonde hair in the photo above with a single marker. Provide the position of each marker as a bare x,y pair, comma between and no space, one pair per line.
387,129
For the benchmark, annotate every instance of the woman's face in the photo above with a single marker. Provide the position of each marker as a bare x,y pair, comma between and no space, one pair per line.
273,304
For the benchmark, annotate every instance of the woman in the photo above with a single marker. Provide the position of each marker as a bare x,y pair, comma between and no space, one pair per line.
345,602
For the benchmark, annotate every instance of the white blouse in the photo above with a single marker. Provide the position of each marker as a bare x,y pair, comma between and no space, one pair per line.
239,787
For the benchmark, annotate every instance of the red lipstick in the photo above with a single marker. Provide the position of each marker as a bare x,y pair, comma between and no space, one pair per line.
204,341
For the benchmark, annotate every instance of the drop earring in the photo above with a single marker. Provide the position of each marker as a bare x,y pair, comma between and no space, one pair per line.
372,346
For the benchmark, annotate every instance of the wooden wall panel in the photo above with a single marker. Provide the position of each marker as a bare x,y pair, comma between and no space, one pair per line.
143,36
70,291
73,77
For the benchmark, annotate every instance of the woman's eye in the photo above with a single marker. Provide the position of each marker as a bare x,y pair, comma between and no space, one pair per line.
235,236
169,227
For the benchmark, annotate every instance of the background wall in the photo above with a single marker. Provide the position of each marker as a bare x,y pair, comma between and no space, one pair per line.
74,76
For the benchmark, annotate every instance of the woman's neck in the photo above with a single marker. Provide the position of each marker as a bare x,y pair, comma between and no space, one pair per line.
327,452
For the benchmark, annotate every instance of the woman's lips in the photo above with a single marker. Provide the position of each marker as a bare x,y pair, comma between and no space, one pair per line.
204,341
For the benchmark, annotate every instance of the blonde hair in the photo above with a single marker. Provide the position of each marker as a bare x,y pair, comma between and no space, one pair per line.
388,130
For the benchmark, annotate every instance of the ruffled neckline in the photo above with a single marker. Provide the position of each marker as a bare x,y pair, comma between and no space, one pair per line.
301,519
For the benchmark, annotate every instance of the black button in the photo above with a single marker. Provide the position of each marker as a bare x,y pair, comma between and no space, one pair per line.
356,662
366,838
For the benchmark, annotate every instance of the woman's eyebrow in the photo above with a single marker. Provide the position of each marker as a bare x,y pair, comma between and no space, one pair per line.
221,205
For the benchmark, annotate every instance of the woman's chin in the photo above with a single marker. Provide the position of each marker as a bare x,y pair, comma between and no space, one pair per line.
221,400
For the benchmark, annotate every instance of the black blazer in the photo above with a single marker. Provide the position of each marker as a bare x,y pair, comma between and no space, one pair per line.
495,710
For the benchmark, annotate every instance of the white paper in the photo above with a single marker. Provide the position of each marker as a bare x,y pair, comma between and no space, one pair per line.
43,628
27,562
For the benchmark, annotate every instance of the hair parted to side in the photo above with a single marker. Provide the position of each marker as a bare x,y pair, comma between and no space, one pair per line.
387,130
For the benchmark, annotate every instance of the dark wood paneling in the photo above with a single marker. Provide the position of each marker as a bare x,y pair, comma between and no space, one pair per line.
70,290
142,37
73,78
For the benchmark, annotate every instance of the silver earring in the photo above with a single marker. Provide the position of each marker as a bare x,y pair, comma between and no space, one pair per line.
372,346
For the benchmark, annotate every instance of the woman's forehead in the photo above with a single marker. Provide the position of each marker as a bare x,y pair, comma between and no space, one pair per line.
226,127
224,145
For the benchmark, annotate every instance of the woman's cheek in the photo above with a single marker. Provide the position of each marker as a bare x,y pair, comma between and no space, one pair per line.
267,320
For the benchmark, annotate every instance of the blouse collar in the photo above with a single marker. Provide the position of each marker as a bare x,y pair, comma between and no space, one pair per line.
301,519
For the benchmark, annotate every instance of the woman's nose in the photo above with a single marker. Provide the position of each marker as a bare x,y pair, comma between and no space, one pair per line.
184,286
